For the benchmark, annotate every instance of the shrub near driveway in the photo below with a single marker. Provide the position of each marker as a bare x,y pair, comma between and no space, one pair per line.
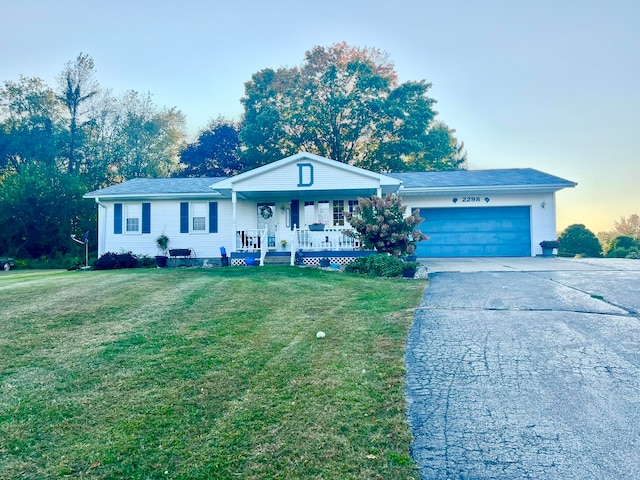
194,373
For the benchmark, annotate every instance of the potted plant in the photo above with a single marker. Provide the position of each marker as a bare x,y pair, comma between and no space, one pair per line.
316,227
283,244
163,244
411,253
409,269
548,246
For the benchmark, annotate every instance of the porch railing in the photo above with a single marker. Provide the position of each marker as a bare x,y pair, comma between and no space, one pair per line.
251,240
327,239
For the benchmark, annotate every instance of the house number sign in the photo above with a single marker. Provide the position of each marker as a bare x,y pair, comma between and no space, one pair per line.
470,199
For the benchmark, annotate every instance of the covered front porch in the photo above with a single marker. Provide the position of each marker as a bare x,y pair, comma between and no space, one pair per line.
311,243
298,204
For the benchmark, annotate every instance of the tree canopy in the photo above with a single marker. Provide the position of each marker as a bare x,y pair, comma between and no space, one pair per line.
77,87
215,152
345,103
579,240
55,145
628,226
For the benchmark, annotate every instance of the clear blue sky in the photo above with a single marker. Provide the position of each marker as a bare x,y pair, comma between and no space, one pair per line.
552,85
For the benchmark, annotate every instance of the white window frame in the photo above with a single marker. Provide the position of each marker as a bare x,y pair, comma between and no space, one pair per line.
325,212
195,213
309,212
131,211
338,213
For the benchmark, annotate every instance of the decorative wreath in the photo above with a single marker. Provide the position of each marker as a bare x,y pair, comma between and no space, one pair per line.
265,211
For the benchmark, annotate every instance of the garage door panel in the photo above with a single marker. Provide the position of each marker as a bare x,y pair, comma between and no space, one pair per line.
464,232
475,237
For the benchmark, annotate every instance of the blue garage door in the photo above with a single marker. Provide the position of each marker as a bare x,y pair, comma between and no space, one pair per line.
476,232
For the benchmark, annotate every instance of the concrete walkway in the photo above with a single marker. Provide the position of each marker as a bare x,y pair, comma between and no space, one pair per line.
527,368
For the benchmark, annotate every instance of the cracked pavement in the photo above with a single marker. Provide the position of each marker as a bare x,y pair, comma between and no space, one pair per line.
531,371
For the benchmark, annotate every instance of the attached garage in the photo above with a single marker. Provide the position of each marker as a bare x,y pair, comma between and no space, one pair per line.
483,213
476,232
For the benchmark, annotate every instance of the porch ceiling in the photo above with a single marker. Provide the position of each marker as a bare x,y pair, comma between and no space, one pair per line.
338,193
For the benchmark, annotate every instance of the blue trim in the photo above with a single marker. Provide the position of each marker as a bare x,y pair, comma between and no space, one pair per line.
245,254
146,218
213,217
117,218
295,213
338,254
184,217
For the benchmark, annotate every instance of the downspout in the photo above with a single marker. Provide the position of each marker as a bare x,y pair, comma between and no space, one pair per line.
102,227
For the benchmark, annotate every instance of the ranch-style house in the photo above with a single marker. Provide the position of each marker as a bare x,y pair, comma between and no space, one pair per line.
297,204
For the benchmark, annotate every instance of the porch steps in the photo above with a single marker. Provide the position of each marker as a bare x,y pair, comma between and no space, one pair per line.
279,258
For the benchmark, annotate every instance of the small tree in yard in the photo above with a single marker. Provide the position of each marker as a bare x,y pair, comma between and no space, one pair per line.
579,240
380,224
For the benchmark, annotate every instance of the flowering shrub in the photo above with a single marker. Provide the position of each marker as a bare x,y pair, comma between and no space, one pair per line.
380,224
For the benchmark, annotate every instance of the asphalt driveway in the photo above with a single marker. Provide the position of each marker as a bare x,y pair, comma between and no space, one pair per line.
527,368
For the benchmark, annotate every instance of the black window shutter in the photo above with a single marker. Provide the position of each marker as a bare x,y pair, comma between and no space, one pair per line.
295,213
146,218
117,218
213,217
184,217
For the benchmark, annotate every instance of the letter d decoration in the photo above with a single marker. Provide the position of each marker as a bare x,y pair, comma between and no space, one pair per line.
305,174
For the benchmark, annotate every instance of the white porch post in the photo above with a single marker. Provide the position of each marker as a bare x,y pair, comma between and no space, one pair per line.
379,192
234,201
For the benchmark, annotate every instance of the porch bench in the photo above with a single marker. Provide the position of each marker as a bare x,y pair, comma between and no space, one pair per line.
188,255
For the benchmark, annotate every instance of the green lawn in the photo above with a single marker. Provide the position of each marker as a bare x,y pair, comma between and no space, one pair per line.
204,374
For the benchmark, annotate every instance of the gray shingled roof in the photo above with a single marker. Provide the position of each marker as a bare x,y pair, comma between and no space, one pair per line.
158,186
480,178
516,177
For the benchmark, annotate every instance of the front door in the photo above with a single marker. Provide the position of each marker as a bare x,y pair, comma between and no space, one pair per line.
266,218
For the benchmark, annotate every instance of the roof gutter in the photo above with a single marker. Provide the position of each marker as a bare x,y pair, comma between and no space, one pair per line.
158,196
484,189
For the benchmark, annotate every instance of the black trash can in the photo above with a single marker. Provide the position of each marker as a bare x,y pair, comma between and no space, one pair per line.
224,260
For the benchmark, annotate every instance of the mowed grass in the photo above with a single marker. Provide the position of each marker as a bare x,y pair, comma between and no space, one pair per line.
204,374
